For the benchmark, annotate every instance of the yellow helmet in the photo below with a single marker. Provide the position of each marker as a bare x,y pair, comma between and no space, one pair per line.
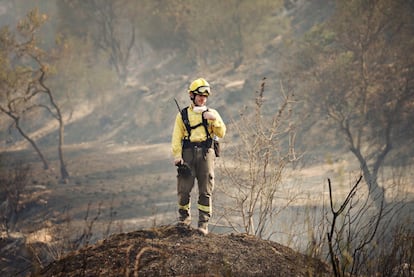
199,86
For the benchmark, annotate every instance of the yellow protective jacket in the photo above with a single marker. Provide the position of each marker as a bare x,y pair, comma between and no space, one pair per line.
215,128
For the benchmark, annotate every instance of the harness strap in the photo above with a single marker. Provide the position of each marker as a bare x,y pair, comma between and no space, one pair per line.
205,124
184,116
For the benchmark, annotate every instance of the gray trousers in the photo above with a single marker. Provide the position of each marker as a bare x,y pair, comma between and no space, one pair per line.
202,169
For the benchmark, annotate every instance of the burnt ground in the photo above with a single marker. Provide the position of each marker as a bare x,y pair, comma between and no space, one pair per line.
182,251
59,224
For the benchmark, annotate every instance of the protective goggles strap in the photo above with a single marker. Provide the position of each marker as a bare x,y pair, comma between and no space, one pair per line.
202,89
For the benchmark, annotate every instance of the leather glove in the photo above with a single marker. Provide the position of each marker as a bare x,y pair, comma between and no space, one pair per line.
183,170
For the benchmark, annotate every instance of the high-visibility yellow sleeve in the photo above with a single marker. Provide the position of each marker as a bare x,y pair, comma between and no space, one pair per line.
179,132
218,128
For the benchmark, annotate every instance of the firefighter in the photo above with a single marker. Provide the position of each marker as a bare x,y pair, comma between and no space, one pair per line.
193,140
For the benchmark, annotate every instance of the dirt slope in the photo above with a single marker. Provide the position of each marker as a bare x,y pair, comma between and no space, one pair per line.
182,251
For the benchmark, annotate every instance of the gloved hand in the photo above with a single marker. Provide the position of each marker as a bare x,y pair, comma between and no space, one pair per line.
209,116
178,161
183,170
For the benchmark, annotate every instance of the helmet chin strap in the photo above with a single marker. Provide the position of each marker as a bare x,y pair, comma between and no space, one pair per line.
192,97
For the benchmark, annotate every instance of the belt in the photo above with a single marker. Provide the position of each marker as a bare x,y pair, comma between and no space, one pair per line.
197,144
202,144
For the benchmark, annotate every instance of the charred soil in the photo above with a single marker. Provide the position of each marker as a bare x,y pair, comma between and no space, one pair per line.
182,251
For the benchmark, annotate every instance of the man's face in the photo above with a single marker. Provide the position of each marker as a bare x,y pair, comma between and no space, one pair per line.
200,100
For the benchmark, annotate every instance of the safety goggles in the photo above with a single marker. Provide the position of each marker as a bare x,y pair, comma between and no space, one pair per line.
203,90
